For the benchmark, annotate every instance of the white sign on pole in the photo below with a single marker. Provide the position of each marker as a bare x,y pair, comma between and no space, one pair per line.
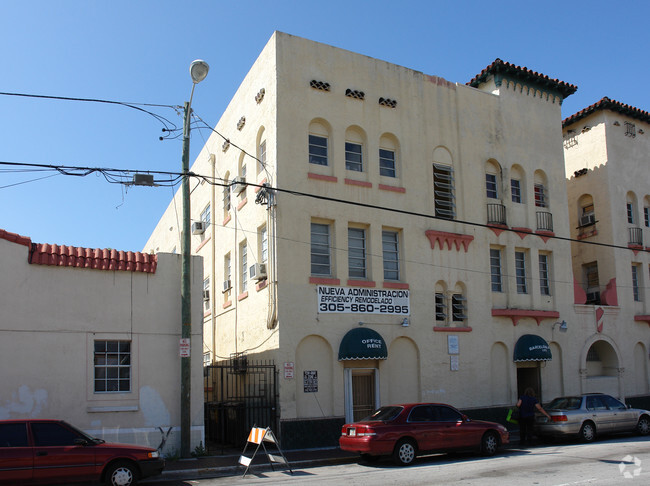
354,300
184,348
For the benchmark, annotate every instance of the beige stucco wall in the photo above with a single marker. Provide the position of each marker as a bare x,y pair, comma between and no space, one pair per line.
513,128
51,316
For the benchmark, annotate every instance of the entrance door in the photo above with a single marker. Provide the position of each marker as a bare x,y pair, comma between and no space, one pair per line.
362,397
529,376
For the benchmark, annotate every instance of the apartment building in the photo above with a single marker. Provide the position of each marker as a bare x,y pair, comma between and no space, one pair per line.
607,152
384,235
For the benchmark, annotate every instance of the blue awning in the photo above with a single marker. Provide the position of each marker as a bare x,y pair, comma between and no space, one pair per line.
362,343
530,347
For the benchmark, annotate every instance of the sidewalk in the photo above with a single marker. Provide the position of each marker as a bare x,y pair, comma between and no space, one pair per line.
227,464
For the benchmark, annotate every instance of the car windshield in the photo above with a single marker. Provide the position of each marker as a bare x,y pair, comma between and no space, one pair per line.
384,413
565,403
89,438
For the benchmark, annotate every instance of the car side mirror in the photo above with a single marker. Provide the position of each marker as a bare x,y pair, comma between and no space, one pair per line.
80,441
466,418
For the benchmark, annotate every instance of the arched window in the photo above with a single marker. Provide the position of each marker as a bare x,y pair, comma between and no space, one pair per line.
443,184
492,180
319,143
388,156
541,190
586,212
354,149
261,151
517,185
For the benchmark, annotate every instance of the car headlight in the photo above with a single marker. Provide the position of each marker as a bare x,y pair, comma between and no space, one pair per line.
154,455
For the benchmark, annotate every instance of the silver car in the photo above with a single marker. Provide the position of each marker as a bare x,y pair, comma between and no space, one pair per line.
586,416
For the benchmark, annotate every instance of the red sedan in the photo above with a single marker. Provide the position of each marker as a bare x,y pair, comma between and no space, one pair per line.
405,430
53,451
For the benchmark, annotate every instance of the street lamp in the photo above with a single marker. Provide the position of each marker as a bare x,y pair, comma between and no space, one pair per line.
198,72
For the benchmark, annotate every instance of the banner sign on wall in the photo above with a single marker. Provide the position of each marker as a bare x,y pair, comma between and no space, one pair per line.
354,300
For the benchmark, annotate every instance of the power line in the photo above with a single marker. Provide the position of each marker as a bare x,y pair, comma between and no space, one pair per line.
110,176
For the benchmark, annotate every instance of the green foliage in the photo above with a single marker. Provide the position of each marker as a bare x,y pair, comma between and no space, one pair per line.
199,450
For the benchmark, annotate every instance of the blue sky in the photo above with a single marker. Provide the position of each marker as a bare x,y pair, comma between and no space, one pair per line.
140,51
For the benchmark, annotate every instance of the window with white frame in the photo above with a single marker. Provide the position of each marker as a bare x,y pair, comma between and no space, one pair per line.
261,157
515,190
491,186
354,156
544,278
321,249
264,245
390,246
629,209
318,150
227,274
520,272
207,358
458,307
635,283
112,366
443,191
441,307
357,253
387,163
206,293
243,267
226,197
205,216
496,274
540,196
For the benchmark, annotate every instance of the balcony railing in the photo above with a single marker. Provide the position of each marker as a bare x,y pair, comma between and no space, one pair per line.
544,221
496,213
635,236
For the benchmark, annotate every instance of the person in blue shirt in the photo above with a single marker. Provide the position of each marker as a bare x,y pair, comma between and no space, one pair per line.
527,406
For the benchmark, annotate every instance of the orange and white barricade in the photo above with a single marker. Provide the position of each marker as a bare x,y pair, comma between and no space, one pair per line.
259,436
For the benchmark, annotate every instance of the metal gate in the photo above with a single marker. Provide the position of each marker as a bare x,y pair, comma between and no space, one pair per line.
239,394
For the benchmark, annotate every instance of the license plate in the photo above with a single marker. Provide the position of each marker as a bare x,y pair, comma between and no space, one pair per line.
542,420
352,432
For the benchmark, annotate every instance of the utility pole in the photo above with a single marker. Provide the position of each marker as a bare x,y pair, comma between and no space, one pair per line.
198,72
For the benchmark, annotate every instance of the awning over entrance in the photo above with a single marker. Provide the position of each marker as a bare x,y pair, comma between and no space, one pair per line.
362,343
530,347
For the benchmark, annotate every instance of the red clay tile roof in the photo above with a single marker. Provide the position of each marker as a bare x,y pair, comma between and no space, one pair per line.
499,67
606,104
77,257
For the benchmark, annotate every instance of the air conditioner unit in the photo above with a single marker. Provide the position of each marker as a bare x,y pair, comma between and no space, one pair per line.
198,228
587,219
257,271
206,295
593,298
238,184
227,285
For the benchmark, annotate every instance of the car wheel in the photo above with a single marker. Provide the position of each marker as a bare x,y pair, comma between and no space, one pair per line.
404,453
643,426
122,474
369,458
588,432
489,444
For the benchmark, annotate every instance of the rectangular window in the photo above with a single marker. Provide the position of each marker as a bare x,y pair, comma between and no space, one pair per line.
243,269
441,314
515,190
264,244
491,186
261,163
387,163
540,196
495,270
646,216
629,207
353,156
227,275
635,283
226,198
443,191
544,281
317,150
320,249
458,307
206,294
357,252
205,216
520,272
112,363
390,246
